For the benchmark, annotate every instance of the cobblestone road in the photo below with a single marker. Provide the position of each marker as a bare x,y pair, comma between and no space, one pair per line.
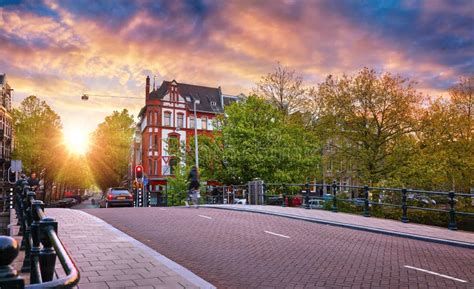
247,250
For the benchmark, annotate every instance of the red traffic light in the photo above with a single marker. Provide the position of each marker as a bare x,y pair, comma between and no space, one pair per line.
139,172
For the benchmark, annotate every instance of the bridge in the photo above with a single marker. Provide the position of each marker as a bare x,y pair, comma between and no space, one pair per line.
254,246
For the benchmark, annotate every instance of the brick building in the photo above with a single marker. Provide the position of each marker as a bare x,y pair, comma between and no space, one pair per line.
169,113
6,131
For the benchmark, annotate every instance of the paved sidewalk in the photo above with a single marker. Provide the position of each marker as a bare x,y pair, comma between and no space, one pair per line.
109,258
385,226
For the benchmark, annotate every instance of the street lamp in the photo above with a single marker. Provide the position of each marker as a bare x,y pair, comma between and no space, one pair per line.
195,101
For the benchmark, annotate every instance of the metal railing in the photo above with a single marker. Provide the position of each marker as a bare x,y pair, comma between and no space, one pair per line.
42,247
403,199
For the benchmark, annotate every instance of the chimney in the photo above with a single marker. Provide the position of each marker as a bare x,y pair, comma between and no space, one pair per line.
222,97
147,87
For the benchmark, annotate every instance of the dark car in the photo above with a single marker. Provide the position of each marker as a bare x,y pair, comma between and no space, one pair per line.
115,197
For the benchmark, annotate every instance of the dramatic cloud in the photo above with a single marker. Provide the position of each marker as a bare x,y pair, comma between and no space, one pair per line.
61,49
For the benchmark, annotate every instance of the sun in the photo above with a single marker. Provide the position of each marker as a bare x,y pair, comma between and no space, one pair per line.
76,141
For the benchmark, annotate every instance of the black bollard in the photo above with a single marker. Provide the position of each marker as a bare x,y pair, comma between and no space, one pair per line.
9,250
35,276
47,255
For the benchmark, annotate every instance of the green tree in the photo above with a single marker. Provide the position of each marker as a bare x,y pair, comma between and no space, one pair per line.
258,140
109,150
366,118
38,137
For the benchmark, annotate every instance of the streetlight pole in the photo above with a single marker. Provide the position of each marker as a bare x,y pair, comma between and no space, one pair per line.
196,148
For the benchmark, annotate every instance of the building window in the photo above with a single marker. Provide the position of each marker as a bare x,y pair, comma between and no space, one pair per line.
173,163
156,118
180,120
204,123
155,145
167,118
150,167
156,167
150,141
191,122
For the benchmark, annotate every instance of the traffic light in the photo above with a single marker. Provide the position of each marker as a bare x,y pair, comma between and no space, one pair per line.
139,172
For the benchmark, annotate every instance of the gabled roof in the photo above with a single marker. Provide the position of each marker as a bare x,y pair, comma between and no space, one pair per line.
209,97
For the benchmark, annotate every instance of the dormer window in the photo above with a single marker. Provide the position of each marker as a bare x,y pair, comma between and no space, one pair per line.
213,103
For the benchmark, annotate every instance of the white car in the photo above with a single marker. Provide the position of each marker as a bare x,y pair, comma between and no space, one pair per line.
316,203
240,201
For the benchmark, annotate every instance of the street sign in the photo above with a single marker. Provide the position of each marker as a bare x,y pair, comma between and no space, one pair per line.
145,181
16,166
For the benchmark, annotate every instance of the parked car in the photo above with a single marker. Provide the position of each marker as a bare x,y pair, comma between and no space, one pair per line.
240,201
316,203
116,197
66,203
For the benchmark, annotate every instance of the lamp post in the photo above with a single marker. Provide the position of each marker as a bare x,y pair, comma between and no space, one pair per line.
196,147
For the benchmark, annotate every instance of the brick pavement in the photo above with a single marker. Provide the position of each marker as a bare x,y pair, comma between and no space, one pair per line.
387,225
108,258
232,250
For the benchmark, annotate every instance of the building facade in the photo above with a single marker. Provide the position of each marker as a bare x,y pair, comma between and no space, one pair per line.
6,132
168,118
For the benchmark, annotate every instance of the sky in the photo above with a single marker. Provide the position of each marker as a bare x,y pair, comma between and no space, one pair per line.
58,50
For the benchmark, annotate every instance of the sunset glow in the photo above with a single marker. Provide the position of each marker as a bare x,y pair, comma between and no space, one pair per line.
76,141
59,50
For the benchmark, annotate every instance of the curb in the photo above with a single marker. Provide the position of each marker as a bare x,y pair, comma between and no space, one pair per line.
180,270
351,226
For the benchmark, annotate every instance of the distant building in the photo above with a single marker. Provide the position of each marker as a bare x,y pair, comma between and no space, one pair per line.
168,114
6,131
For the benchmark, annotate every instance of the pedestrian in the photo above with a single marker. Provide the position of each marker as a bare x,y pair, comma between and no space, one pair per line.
193,187
33,182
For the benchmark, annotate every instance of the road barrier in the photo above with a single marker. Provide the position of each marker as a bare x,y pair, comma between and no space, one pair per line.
42,247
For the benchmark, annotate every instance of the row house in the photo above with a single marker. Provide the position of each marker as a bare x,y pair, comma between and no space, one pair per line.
6,131
168,117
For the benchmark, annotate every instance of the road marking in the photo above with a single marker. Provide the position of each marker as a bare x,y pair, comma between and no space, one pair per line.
275,234
202,216
434,273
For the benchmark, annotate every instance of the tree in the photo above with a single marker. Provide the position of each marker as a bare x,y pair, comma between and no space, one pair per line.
444,158
366,118
38,137
259,141
110,146
283,88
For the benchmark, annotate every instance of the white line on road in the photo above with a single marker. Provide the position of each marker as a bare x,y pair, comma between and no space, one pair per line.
434,273
202,216
275,234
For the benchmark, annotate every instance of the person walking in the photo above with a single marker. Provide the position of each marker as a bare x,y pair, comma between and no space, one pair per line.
193,187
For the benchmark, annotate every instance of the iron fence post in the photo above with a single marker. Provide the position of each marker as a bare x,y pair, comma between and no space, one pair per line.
36,242
366,201
306,198
9,250
404,218
26,267
334,199
452,213
283,194
47,255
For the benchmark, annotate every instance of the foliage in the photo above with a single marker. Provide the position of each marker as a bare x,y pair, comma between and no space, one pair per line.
444,158
259,141
110,145
365,120
38,136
